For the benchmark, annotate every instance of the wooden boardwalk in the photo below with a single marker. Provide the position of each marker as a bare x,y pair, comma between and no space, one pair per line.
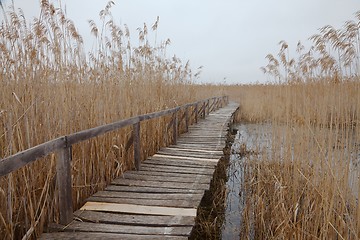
160,201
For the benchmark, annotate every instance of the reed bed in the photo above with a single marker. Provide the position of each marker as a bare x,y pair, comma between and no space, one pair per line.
50,86
305,184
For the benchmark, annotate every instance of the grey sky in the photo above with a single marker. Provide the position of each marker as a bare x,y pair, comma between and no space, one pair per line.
230,38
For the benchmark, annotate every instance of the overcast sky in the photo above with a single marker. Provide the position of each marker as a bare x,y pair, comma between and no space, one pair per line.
230,38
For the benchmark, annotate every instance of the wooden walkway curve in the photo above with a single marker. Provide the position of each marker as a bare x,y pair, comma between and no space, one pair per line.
160,200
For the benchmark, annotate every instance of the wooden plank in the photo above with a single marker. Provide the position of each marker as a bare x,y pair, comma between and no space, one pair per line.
193,150
20,159
214,160
160,179
190,154
138,209
180,163
170,172
200,144
129,182
199,147
167,196
102,236
124,229
142,189
189,203
134,219
159,169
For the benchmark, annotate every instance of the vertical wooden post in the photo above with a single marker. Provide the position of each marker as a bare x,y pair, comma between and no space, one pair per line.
175,128
136,135
204,110
208,106
196,112
187,118
63,173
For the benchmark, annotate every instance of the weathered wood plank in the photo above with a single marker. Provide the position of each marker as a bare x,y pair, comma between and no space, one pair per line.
128,182
179,163
214,159
190,154
197,146
102,236
138,209
189,203
134,219
190,179
163,169
141,189
159,196
171,173
193,150
125,229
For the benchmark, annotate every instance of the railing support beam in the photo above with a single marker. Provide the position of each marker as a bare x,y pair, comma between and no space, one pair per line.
136,135
186,119
175,128
196,112
63,173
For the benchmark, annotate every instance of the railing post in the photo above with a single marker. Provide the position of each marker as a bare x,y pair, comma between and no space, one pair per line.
136,135
175,128
204,110
196,112
63,173
187,118
208,106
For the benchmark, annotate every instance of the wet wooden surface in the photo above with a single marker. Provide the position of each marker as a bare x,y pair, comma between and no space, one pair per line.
159,201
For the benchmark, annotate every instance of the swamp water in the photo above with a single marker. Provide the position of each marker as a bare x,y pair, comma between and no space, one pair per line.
249,141
249,137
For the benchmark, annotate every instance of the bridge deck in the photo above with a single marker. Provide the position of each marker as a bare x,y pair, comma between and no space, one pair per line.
160,200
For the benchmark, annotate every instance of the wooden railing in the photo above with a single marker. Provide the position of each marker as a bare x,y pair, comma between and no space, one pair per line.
63,146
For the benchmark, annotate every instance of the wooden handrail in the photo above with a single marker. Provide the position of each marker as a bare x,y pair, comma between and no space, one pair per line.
63,147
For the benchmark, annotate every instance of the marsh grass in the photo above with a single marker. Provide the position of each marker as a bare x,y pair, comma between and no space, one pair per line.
50,86
305,185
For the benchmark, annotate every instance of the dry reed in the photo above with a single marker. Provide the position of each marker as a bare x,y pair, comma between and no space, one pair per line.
51,87
305,184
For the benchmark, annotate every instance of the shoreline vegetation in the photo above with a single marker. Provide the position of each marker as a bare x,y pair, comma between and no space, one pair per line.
306,185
